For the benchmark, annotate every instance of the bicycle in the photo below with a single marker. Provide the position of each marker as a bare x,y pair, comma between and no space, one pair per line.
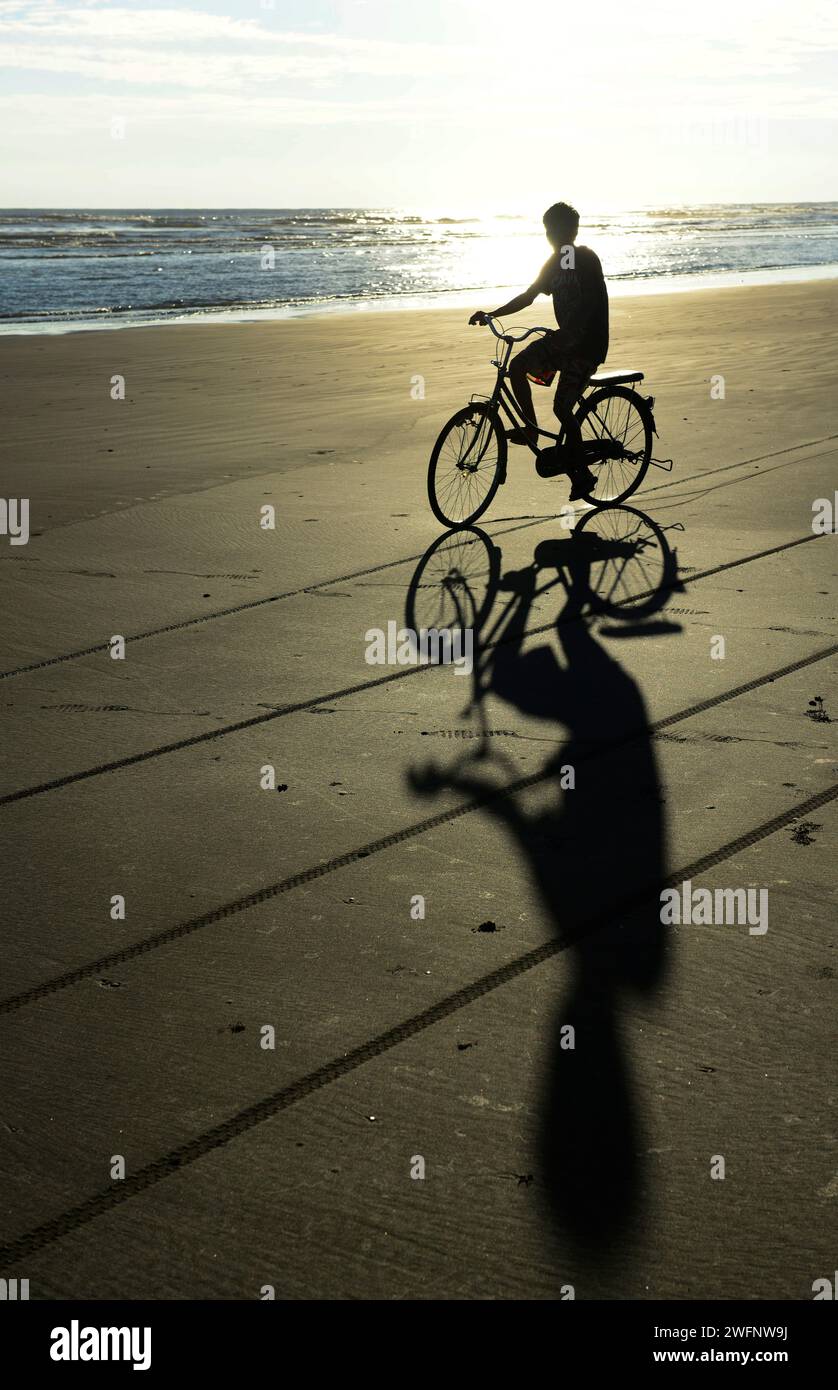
468,462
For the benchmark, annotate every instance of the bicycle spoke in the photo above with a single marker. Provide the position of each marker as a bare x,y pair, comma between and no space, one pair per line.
615,430
454,583
466,467
627,560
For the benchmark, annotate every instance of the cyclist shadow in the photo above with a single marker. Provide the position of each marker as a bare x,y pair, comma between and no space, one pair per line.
596,856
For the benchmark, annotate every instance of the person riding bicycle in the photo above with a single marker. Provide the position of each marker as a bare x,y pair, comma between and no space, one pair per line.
573,276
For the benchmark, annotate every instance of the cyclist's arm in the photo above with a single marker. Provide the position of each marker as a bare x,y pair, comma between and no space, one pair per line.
521,301
540,285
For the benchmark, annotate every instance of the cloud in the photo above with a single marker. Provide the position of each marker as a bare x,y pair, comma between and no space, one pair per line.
715,60
117,44
151,26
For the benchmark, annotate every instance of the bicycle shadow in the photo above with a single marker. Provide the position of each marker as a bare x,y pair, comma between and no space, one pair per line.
593,854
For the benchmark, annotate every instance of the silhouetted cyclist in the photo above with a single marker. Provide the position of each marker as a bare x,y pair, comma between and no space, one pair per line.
573,276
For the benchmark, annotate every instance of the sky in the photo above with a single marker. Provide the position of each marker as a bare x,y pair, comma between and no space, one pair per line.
440,106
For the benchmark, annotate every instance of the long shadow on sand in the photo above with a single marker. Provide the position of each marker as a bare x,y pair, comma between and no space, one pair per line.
598,848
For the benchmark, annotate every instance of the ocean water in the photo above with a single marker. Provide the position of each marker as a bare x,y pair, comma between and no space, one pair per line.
66,269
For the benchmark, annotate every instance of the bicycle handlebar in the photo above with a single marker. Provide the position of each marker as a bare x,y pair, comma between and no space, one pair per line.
511,337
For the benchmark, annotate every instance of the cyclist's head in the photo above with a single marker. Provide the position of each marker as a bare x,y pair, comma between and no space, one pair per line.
561,223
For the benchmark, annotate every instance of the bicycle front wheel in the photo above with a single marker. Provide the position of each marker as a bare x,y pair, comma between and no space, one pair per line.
467,465
616,427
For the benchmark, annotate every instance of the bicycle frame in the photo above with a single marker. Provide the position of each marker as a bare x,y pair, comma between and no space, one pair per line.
502,397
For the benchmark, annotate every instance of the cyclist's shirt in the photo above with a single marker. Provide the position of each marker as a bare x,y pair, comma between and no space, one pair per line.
580,301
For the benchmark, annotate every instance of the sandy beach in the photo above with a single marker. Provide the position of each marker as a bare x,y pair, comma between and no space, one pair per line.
287,1158
209,404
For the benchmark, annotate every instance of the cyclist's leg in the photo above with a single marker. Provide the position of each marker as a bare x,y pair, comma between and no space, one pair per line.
535,359
518,369
574,375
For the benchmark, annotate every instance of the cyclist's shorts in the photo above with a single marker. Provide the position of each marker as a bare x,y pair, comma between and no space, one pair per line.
545,357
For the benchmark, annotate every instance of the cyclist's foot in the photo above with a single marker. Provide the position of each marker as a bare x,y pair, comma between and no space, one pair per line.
582,482
551,462
522,436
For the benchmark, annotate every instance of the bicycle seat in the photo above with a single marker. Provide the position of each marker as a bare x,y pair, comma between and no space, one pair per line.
614,378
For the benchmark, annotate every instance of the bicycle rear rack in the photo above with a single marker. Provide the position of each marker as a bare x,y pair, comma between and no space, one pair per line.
666,464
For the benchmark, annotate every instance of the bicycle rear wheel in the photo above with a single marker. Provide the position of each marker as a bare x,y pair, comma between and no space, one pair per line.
467,465
616,426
